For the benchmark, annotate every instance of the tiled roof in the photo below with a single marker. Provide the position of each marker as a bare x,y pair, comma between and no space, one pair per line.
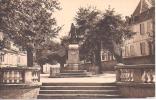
149,14
143,6
144,11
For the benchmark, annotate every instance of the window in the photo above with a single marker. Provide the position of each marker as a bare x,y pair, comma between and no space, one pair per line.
142,28
142,48
151,48
126,51
148,26
102,56
132,51
109,56
2,58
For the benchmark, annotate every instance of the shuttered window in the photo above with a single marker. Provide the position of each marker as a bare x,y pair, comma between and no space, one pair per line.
142,28
143,48
132,51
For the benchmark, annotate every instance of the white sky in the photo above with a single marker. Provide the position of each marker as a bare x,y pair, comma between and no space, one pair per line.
69,7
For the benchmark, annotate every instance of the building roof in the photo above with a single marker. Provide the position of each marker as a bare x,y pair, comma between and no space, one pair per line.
143,6
144,11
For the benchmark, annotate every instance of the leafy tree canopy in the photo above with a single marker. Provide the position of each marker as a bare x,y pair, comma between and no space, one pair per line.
29,23
100,30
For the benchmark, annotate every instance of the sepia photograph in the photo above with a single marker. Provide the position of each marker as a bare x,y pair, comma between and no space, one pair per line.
77,49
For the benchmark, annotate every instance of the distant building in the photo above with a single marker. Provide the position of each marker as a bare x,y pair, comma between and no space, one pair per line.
140,48
11,55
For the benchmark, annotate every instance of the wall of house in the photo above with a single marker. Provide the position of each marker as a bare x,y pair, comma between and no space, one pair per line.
139,44
12,59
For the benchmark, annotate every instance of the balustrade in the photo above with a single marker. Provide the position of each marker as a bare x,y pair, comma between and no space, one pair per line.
19,75
135,73
136,81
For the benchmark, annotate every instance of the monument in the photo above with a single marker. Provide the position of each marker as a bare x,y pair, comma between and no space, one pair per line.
73,57
73,50
73,62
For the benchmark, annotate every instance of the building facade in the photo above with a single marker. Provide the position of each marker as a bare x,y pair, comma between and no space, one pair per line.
140,47
11,55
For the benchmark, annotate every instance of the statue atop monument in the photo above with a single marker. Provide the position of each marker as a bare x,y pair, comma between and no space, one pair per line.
73,34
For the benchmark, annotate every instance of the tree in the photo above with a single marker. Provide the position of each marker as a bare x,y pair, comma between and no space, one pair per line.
112,31
29,23
43,53
96,29
86,20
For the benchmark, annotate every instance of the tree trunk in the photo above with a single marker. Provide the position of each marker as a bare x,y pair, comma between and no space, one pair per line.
98,57
117,51
29,57
61,66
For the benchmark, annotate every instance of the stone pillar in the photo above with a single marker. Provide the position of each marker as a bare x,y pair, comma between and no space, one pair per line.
73,57
28,76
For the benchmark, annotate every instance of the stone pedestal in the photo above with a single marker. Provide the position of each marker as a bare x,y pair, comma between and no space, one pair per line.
73,57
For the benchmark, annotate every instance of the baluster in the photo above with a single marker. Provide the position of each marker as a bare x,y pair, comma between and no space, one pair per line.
21,77
146,76
121,77
4,76
18,77
33,76
7,77
131,75
127,74
137,75
38,76
15,76
12,76
151,76
124,75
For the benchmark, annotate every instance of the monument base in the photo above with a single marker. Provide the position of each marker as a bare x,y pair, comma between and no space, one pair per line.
72,67
73,57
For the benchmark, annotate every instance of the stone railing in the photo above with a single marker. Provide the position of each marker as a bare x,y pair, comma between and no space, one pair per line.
19,75
19,82
136,80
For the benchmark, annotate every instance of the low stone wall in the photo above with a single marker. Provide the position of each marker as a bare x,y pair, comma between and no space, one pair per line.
18,92
139,60
108,65
136,90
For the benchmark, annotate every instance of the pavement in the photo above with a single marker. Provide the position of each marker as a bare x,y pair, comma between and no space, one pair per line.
106,77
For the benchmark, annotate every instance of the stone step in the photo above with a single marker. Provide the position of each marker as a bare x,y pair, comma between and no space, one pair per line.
79,92
74,71
66,75
78,87
78,84
76,96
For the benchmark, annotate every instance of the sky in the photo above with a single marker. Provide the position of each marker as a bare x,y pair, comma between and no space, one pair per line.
69,8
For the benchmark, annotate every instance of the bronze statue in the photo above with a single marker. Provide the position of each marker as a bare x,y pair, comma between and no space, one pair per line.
73,34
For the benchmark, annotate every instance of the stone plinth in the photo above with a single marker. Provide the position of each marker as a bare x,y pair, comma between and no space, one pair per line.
73,57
